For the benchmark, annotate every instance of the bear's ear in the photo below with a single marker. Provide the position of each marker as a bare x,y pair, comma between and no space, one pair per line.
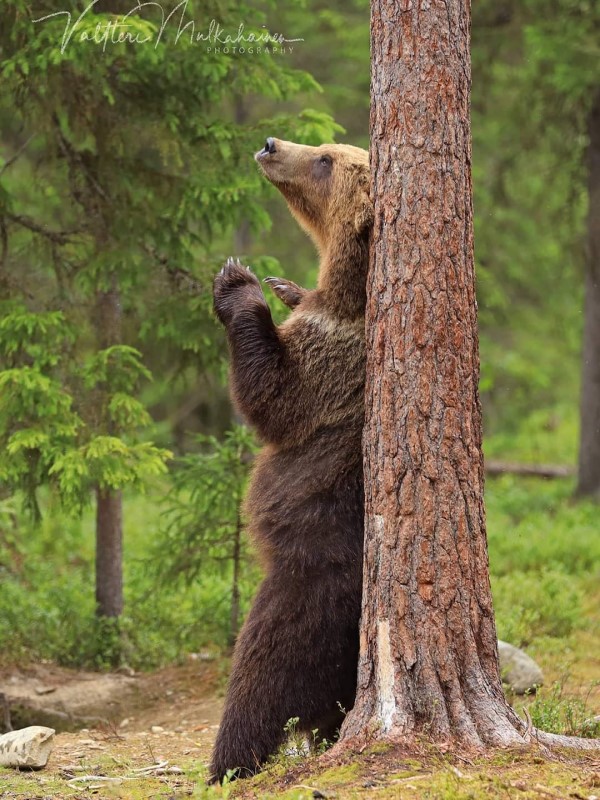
365,214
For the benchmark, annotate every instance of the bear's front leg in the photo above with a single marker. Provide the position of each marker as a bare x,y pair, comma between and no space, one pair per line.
259,380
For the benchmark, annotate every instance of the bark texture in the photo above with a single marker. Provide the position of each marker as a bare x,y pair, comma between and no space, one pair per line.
429,660
589,450
109,554
109,512
428,650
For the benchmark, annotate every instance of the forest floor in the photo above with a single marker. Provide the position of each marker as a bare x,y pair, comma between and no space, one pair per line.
170,718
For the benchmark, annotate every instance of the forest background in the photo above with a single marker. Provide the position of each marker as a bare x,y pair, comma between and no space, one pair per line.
127,177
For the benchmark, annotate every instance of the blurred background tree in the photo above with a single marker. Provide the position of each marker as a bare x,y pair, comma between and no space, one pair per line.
127,177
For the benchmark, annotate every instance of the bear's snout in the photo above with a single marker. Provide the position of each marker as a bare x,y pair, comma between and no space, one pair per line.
268,149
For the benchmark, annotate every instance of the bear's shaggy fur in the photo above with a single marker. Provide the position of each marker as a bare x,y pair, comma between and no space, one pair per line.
301,385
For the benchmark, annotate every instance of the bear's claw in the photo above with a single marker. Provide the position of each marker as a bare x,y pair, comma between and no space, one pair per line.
287,291
231,278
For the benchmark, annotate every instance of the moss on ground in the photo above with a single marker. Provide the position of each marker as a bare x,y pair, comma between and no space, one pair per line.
503,774
382,774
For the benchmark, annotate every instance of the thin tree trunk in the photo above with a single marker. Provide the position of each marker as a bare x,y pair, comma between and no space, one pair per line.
109,512
589,449
428,658
109,554
234,625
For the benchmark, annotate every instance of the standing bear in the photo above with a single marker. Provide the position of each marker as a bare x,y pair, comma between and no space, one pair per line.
301,386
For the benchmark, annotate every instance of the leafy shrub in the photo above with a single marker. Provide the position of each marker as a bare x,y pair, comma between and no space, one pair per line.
534,523
554,713
544,552
531,604
178,547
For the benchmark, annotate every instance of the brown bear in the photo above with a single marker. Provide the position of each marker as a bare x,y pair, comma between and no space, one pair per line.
301,385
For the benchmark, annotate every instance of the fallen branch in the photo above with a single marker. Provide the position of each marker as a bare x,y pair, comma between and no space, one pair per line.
493,467
103,778
560,740
544,740
154,770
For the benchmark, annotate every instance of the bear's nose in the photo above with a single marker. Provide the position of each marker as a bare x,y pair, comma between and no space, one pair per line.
269,146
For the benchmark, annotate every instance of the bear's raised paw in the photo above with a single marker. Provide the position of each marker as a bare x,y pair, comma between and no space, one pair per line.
232,285
287,291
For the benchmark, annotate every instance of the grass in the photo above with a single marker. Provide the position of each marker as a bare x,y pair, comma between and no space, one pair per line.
381,772
435,776
39,786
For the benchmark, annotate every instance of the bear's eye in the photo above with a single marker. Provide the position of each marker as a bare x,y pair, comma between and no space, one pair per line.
321,167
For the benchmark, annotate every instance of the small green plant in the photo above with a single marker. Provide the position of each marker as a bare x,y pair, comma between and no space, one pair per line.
295,747
203,529
291,726
319,744
554,712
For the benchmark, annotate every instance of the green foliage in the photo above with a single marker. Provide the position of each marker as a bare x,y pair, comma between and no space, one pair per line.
203,509
47,608
529,605
554,712
544,561
125,170
43,439
203,531
534,523
536,71
132,168
544,556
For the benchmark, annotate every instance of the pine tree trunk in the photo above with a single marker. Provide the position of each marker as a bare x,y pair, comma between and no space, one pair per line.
109,513
109,554
589,450
429,660
428,651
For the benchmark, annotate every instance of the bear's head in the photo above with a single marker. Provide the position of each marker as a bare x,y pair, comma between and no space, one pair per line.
326,187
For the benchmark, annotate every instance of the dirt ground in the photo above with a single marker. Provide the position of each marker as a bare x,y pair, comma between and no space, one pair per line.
157,731
166,718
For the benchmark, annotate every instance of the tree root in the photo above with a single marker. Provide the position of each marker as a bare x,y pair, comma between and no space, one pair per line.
548,741
559,740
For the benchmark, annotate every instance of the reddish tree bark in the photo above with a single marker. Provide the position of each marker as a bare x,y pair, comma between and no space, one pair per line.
429,660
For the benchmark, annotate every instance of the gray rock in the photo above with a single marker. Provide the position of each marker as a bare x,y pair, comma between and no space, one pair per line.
518,670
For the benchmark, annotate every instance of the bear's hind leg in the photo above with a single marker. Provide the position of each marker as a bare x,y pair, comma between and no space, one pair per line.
291,660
